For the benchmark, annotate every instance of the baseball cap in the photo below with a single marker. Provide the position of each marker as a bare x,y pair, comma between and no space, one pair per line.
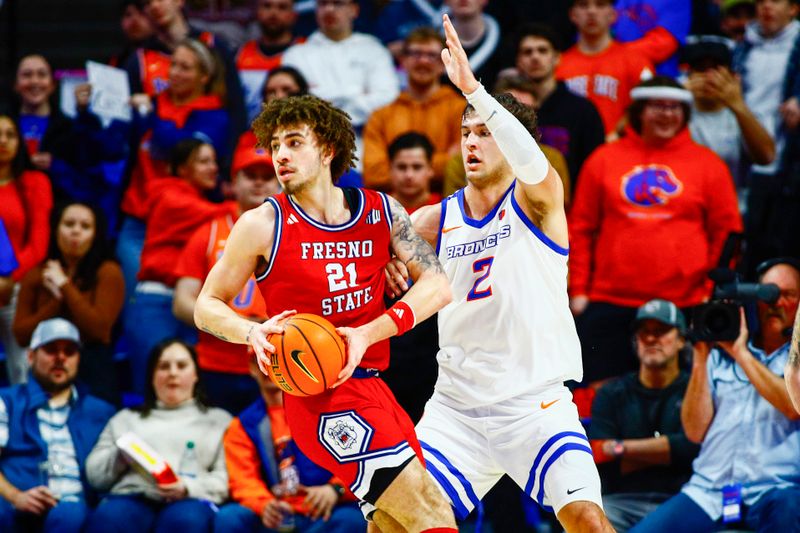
663,311
730,4
247,154
54,329
707,49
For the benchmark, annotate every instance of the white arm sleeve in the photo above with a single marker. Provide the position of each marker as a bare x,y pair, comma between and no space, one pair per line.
515,142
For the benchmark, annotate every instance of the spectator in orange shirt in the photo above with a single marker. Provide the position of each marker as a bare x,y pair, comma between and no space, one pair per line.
224,366
273,485
425,106
600,68
176,209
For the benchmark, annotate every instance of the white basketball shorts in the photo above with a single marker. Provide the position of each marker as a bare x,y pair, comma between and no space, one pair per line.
537,440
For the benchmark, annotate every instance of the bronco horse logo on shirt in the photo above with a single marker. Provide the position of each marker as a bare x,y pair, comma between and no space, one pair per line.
650,185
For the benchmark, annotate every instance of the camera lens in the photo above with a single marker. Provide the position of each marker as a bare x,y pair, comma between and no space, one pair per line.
717,321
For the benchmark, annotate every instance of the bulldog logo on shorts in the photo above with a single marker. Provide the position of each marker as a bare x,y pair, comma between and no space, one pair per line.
345,435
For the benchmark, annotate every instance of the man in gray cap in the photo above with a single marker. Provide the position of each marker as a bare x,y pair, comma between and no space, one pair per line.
643,454
47,428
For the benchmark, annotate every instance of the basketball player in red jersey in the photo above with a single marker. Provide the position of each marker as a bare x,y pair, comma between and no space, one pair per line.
322,249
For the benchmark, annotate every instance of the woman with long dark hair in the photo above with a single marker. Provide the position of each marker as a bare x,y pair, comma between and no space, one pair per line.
79,281
26,200
175,421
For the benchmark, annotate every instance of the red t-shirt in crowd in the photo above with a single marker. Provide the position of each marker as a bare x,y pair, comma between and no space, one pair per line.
25,205
606,78
176,210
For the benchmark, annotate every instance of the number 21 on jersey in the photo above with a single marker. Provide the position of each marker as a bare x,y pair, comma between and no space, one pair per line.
482,267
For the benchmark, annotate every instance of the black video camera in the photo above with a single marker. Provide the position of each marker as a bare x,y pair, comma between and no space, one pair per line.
718,320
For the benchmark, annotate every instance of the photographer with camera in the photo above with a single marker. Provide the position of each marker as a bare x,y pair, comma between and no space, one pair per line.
738,407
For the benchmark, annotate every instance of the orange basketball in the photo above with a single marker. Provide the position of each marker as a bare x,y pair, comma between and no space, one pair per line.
308,356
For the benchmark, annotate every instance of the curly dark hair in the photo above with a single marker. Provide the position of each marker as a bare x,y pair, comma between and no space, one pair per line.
330,124
525,114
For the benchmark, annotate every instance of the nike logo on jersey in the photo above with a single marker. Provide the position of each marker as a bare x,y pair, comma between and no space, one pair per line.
446,230
574,491
296,358
546,405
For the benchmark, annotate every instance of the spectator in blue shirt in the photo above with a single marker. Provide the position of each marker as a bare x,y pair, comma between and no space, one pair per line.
737,406
47,429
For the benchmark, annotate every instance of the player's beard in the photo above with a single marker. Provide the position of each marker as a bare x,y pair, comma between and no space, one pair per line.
294,188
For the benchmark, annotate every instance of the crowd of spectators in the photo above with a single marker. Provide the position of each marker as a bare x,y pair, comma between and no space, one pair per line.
673,124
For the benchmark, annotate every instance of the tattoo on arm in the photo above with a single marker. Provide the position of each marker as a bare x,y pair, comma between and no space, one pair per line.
794,352
217,334
408,244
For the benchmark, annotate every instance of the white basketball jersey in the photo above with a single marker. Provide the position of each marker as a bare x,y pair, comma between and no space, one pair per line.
509,329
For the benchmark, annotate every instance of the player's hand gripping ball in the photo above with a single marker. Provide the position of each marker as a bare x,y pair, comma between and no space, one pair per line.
308,355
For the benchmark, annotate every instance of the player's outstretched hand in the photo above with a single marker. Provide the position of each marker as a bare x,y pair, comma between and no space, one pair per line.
456,61
257,337
357,343
396,276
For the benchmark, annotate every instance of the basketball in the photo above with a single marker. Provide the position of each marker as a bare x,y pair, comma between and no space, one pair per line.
308,355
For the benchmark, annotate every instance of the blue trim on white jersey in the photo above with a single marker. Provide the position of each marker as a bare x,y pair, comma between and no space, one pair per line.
387,210
326,227
476,502
441,224
459,509
543,450
276,240
553,458
536,231
485,220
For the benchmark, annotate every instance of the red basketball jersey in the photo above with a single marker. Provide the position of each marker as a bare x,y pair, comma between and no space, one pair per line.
333,271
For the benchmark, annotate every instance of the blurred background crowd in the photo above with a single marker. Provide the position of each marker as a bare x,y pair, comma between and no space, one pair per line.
109,225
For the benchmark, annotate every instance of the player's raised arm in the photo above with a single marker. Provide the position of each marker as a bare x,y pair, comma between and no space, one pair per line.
527,160
247,242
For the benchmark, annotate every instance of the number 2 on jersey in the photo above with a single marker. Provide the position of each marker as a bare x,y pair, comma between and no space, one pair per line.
483,266
336,276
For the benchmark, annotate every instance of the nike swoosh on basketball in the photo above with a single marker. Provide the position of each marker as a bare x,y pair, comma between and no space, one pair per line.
296,358
574,491
548,404
445,230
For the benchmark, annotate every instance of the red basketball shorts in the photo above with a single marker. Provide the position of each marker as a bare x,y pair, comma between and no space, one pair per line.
354,431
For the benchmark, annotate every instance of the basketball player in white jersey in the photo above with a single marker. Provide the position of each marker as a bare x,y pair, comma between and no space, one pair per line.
507,340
